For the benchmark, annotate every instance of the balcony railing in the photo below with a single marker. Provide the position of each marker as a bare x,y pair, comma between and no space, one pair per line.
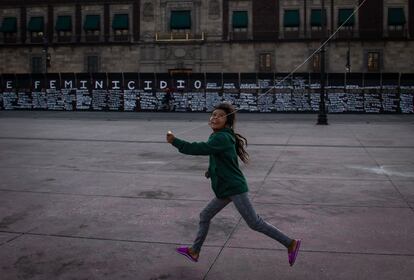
397,33
121,38
318,33
178,37
239,36
266,36
314,34
64,39
92,38
9,39
36,39
291,34
67,39
345,34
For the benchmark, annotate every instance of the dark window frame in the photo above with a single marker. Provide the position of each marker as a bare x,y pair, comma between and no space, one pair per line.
396,30
37,64
118,33
396,8
92,63
316,63
265,62
37,36
317,26
239,29
93,35
373,64
64,35
291,32
181,30
10,36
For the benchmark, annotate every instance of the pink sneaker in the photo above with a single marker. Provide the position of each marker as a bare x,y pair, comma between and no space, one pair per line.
185,252
292,255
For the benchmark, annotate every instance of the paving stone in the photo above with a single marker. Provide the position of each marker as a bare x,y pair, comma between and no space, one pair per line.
270,264
48,257
330,192
100,195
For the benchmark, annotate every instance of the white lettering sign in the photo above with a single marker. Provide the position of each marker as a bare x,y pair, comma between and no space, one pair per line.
197,84
83,84
115,85
98,83
68,84
163,84
131,85
147,85
180,84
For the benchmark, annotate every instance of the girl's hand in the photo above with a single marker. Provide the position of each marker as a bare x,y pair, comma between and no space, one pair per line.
170,137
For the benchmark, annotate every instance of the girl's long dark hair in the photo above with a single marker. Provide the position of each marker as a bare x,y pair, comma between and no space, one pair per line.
241,142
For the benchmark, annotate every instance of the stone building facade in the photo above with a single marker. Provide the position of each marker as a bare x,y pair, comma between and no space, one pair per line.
204,35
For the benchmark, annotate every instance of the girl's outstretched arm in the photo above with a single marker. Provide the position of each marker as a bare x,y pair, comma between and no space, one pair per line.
217,143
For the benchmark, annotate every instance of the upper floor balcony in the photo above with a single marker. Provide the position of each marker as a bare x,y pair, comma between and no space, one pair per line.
179,37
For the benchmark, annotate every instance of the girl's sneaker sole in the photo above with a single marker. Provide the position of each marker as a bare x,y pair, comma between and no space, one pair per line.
184,251
294,254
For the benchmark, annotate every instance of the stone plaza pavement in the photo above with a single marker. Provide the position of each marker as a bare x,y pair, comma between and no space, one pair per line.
89,195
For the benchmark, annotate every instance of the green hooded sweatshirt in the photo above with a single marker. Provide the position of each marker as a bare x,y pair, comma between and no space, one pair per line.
226,176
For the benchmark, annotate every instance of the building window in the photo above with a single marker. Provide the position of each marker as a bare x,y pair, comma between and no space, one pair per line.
180,21
36,29
396,21
120,25
9,29
291,23
316,22
373,61
37,64
265,62
346,19
92,64
291,19
92,27
64,28
316,62
240,23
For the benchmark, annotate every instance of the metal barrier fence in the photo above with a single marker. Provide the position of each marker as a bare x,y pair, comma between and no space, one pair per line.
199,92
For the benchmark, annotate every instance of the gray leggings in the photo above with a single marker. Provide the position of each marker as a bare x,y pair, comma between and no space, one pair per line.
246,210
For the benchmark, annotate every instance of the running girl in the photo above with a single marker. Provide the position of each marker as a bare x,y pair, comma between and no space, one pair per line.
227,181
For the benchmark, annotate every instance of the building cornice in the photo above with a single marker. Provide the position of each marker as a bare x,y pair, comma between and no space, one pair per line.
28,3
